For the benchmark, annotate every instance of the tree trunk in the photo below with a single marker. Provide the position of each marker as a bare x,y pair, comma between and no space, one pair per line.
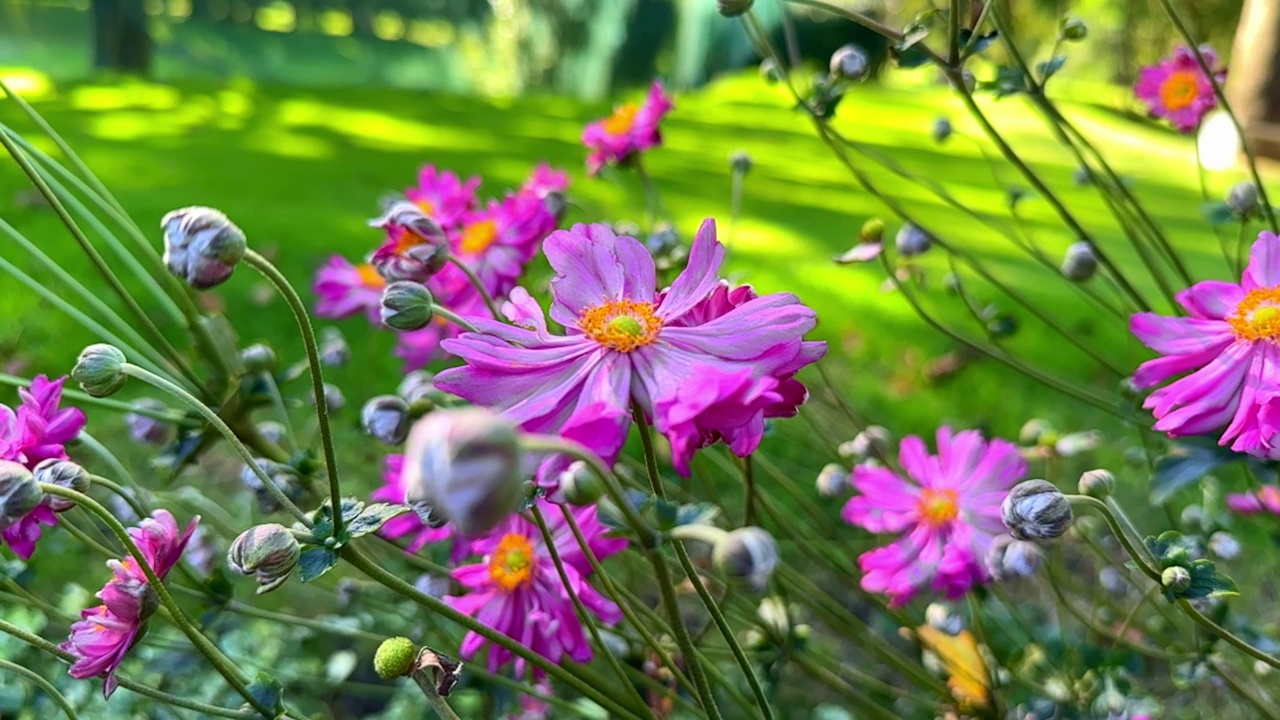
1254,78
121,40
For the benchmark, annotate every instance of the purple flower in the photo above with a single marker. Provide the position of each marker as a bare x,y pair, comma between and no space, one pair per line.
1227,348
345,289
1177,89
629,130
407,524
516,589
946,513
627,343
442,196
1266,499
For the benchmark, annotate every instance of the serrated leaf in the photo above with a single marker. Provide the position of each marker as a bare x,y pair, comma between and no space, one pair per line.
702,513
316,561
1170,548
268,692
1217,213
1050,67
372,518
1206,581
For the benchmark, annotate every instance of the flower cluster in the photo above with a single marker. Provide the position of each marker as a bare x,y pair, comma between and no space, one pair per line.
37,431
1178,90
494,240
104,634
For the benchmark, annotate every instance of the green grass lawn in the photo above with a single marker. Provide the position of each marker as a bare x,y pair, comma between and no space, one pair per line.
301,171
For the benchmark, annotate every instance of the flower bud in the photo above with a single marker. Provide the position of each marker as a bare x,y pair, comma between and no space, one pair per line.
1097,484
872,231
147,429
873,440
272,431
740,162
556,203
415,262
1012,558
100,370
437,586
19,493
942,129
850,62
418,386
748,553
733,8
201,246
464,464
62,473
662,240
1224,545
1033,430
1242,198
268,552
1036,510
1073,29
579,485
386,419
912,241
832,480
283,476
406,306
940,617
334,351
395,658
1112,581
1080,262
334,400
1176,578
258,358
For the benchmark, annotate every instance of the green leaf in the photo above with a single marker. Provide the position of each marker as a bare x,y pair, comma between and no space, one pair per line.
913,33
372,518
911,57
612,516
1206,581
1217,213
1170,548
1050,67
697,514
666,513
226,342
978,45
316,561
1191,459
268,691
1010,80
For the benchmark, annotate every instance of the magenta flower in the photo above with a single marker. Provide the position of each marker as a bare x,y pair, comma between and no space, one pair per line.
38,430
629,130
102,637
946,512
1227,348
545,180
516,589
408,524
1178,90
496,242
628,344
345,289
442,196
1266,499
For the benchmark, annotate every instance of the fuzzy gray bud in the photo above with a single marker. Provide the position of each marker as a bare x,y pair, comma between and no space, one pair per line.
733,8
283,476
334,351
749,553
873,440
832,480
1176,578
1080,263
62,473
912,241
850,62
1036,510
1097,484
1012,558
144,428
201,246
100,370
19,493
406,306
268,552
1242,198
386,418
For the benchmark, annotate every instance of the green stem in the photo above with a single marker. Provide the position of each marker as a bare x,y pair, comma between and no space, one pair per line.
44,685
857,700
80,397
1139,557
281,283
749,490
1226,634
452,317
123,494
427,684
953,33
1264,710
474,279
161,383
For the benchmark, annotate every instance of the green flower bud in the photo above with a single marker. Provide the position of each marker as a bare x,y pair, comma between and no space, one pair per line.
872,231
201,246
733,8
1073,29
406,306
62,473
749,553
579,485
100,370
1036,510
268,552
19,493
1097,484
395,658
259,358
1176,578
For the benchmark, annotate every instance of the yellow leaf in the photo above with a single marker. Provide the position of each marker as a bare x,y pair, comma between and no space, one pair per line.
967,676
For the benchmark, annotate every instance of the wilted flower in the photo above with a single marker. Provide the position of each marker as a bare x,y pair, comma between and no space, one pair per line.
1080,262
946,511
201,246
386,418
629,130
747,553
832,480
1178,90
1242,198
100,370
146,428
406,306
1036,510
344,289
911,241
850,62
64,474
268,552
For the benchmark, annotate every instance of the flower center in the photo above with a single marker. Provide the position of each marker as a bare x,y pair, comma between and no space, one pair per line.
1257,317
426,206
370,278
478,236
1179,90
620,122
406,240
938,507
513,562
621,325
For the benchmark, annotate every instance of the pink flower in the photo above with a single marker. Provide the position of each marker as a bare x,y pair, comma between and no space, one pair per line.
516,589
419,348
443,196
37,431
630,129
104,634
407,524
1178,90
1227,352
345,289
628,344
545,180
1266,499
946,513
496,242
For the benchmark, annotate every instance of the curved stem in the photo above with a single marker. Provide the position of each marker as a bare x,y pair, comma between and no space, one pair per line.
44,685
281,283
1227,635
452,317
1139,557
276,493
120,492
477,284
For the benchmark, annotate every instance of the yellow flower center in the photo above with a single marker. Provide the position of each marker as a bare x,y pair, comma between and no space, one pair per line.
1257,317
478,236
623,117
426,207
370,278
621,325
1179,90
938,507
513,562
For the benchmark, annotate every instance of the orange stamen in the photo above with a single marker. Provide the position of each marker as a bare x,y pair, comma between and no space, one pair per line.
621,325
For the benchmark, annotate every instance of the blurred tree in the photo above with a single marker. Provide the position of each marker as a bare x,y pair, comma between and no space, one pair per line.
121,40
1254,85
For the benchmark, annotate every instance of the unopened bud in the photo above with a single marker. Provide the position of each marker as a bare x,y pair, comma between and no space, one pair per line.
100,370
464,464
749,553
413,261
733,8
19,493
1073,29
62,473
912,241
1242,198
850,62
740,162
1097,484
406,306
942,129
556,203
334,351
272,431
258,358
872,231
1012,558
268,552
579,485
1080,263
874,440
832,480
201,246
284,477
1036,510
1176,578
1224,545
386,419
395,658
334,400
145,428
1033,430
